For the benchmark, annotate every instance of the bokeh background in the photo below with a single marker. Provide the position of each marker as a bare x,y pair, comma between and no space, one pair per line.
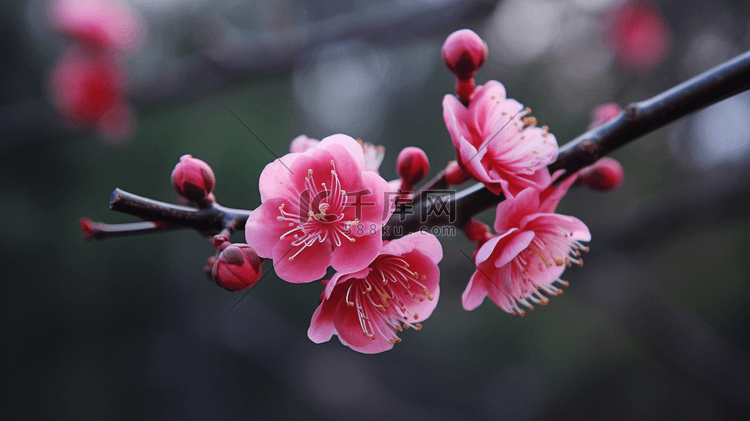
655,326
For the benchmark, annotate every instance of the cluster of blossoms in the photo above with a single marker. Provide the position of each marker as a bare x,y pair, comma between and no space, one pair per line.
499,144
324,207
89,83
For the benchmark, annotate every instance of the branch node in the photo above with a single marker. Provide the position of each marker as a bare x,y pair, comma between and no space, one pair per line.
633,111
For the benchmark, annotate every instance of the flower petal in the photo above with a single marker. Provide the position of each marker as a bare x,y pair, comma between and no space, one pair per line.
309,265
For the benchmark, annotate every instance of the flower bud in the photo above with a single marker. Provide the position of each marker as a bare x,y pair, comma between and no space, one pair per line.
194,180
464,53
412,166
455,174
604,175
238,267
477,232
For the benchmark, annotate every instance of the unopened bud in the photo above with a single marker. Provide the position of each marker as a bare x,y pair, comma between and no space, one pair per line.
455,174
604,175
464,53
238,267
194,180
412,166
477,231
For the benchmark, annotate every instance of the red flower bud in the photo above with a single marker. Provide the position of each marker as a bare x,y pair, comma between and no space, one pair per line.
412,166
477,231
604,175
194,180
238,267
464,53
455,174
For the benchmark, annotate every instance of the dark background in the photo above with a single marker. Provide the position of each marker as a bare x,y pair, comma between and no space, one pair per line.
655,326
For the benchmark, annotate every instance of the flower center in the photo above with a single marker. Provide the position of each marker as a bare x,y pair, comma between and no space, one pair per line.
382,299
320,214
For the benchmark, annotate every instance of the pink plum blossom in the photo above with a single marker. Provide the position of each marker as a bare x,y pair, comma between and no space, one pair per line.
107,24
319,208
603,113
89,91
367,308
638,35
496,143
531,252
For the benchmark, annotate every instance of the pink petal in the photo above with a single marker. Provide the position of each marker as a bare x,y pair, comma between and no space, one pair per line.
454,112
263,230
425,267
377,206
425,242
354,256
475,291
485,251
515,245
350,332
276,178
351,145
340,277
512,209
321,326
310,265
573,226
551,196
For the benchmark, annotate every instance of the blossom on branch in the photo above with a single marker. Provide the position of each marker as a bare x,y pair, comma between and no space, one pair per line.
396,291
319,208
535,245
497,143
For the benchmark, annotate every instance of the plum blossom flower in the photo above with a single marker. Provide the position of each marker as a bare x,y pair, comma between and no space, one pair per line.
319,208
497,143
603,113
107,24
367,308
89,91
516,267
638,35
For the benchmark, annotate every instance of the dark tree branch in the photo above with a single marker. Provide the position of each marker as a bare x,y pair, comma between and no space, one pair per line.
723,81
639,118
210,220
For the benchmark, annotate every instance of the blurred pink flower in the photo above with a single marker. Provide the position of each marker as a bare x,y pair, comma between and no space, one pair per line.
603,113
367,308
107,24
319,208
603,175
530,254
89,91
638,35
496,143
